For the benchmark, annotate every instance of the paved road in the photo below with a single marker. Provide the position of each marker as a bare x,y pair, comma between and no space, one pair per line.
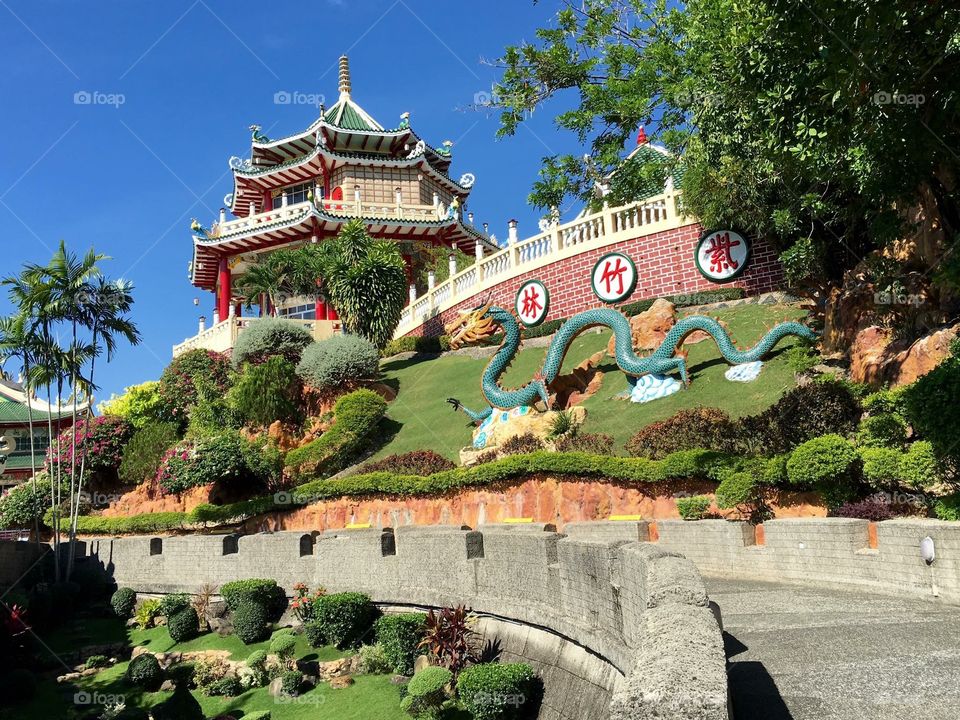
802,654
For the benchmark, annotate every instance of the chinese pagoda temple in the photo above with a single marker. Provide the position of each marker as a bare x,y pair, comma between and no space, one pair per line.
303,188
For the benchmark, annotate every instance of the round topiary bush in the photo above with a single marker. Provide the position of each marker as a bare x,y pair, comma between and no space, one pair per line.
123,602
882,430
270,337
173,603
399,636
825,463
881,466
919,466
184,625
338,361
737,488
426,691
250,622
283,646
314,632
494,691
345,617
290,682
264,591
144,672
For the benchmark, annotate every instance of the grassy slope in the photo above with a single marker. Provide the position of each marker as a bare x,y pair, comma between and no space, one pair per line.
371,697
420,418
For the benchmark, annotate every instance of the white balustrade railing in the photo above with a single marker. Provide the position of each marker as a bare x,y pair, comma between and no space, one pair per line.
605,227
222,336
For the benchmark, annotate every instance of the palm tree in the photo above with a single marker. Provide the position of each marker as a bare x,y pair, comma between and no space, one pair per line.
366,282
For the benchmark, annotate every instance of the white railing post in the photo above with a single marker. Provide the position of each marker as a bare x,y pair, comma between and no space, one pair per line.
413,294
452,264
431,280
478,251
607,222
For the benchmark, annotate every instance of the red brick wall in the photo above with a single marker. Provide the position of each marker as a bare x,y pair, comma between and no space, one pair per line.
665,266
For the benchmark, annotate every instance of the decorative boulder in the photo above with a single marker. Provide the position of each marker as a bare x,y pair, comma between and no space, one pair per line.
875,358
505,424
650,327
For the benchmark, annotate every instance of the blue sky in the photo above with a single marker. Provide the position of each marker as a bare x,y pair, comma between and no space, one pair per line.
172,88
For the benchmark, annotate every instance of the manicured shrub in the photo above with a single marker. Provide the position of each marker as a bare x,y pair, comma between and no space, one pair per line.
374,661
269,337
875,508
209,670
290,683
186,377
882,430
806,412
932,408
315,633
495,691
184,625
283,646
17,686
426,691
346,618
801,358
433,345
338,362
24,503
263,591
399,636
123,602
736,489
105,438
257,659
140,405
174,603
591,443
948,507
145,451
520,444
707,428
825,463
774,470
693,508
182,705
881,466
250,622
886,401
920,467
355,416
144,671
268,392
228,686
417,462
96,662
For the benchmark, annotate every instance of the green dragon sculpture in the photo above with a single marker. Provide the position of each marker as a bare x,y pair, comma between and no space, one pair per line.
483,321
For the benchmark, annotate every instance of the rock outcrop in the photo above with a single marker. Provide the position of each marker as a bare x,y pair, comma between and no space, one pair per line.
876,358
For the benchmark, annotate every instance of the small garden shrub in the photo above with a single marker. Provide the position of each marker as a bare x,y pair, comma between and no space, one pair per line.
256,669
886,401
355,417
591,443
373,660
875,508
283,646
291,682
881,466
140,405
266,592
188,375
144,672
426,692
269,337
693,508
225,457
736,489
315,633
418,462
268,392
707,428
123,602
148,610
338,362
919,466
826,464
228,686
806,412
801,358
145,451
882,430
932,408
184,625
208,671
400,636
494,691
433,345
173,603
96,662
520,444
346,618
948,507
250,622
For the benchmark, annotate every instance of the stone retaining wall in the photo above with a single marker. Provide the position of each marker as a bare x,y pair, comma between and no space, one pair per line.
584,610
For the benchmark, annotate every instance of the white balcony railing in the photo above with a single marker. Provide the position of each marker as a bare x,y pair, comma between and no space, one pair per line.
222,336
606,227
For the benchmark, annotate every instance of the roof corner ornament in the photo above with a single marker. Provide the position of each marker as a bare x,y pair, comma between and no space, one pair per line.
418,149
242,164
228,200
6,447
467,180
199,229
344,75
454,212
446,149
257,136
405,121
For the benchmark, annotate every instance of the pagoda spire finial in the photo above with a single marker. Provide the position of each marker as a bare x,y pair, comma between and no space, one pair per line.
344,75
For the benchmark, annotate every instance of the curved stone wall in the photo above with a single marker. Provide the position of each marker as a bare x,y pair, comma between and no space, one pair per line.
618,629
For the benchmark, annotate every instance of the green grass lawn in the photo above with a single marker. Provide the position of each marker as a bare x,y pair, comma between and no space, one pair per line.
420,418
372,696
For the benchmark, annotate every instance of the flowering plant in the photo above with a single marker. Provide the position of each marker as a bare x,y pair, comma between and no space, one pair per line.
303,601
101,439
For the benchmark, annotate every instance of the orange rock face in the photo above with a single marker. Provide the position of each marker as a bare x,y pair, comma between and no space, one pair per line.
145,499
650,327
542,498
875,358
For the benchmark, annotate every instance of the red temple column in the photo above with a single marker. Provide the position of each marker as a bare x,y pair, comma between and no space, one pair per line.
223,291
331,313
321,309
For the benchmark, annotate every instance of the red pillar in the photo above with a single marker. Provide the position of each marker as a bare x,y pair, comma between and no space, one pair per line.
321,310
331,313
223,291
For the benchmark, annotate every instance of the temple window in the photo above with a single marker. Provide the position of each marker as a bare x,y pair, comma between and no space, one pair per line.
294,194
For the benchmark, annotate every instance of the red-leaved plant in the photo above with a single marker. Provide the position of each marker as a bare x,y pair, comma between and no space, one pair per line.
448,639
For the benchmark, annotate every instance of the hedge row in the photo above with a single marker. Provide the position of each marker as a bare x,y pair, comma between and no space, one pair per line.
686,464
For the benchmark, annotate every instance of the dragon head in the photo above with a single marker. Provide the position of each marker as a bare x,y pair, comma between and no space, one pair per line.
471,327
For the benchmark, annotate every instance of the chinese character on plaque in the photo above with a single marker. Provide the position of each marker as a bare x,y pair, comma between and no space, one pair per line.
614,277
722,255
532,303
